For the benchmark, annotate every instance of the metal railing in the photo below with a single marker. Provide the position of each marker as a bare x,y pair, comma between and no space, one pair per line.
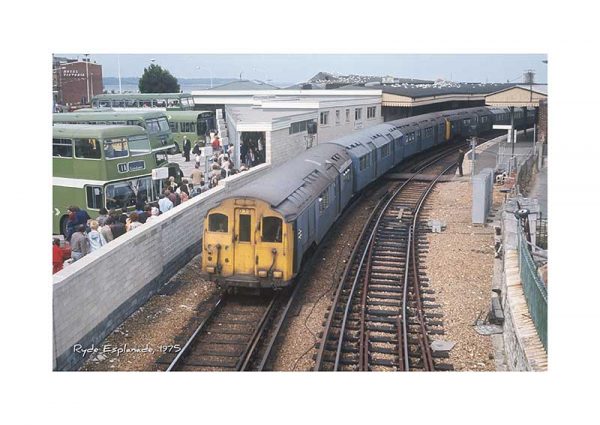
536,293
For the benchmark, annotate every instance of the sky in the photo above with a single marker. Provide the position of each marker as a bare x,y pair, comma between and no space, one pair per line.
294,68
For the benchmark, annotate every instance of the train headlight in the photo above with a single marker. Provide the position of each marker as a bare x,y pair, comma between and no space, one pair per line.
277,274
210,269
262,273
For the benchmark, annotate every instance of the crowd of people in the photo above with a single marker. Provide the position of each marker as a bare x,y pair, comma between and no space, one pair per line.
86,235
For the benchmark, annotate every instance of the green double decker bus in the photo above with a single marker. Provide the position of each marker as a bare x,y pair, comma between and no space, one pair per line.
155,122
166,101
96,166
196,125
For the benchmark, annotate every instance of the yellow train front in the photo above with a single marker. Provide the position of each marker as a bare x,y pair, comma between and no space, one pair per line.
247,244
260,234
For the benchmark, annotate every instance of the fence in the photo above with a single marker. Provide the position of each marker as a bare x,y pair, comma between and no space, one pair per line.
525,172
534,288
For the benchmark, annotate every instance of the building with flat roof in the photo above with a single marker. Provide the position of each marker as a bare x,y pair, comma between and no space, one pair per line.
279,127
75,81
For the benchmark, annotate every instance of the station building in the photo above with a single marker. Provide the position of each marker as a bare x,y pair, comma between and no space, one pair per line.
282,123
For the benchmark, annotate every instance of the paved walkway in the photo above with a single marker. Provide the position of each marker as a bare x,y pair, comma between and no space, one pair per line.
489,157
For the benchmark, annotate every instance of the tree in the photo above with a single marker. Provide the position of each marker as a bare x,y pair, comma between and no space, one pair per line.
158,80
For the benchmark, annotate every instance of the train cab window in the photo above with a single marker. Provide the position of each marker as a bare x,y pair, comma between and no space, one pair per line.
217,223
245,220
271,229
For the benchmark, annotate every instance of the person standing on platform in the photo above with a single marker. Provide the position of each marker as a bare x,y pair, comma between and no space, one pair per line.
216,144
57,256
164,203
187,147
459,161
79,243
196,175
95,238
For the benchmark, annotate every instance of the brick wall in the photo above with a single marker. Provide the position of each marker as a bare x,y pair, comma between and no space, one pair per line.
97,293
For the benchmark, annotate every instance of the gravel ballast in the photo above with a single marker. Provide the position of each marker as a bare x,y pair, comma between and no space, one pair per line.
460,268
140,340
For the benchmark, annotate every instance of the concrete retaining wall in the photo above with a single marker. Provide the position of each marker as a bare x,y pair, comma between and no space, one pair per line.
523,348
97,293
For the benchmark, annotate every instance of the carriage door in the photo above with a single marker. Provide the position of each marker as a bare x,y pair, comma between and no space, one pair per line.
374,155
245,225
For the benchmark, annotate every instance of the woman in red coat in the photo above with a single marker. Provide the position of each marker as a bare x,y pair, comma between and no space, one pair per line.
57,256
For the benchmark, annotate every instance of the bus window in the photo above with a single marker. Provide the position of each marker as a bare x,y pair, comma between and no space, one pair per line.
115,148
139,145
152,126
131,103
271,229
217,223
127,193
173,126
161,158
202,127
62,148
94,197
87,148
163,124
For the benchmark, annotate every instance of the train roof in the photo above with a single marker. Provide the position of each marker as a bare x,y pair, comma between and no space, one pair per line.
96,131
290,187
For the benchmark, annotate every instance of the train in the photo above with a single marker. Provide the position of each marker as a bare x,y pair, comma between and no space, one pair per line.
259,236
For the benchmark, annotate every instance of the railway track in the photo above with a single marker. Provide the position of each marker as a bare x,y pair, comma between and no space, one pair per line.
229,335
381,316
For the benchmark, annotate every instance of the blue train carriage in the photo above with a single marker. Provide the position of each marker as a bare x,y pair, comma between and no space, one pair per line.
382,144
399,141
429,128
485,120
411,130
258,236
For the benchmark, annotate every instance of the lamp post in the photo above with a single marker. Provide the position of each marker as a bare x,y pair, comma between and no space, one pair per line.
87,76
211,73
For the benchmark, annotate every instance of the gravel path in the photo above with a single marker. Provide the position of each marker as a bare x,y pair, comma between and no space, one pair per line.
154,325
460,267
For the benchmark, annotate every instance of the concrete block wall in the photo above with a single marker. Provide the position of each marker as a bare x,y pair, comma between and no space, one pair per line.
483,186
94,295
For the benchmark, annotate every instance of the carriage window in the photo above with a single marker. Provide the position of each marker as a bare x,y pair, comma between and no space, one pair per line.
324,201
62,148
271,229
217,223
385,150
87,148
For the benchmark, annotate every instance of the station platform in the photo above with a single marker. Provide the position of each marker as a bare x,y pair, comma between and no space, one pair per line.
496,154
